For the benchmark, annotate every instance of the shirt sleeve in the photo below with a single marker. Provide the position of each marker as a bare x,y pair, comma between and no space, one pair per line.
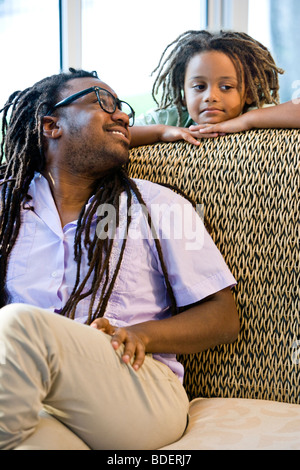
168,117
195,266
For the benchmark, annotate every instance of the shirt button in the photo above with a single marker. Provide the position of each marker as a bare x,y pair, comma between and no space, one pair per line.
54,274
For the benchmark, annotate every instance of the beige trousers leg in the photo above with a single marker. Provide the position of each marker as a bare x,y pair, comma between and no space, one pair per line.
72,371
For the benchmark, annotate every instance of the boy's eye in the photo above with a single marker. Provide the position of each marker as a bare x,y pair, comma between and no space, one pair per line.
226,87
199,87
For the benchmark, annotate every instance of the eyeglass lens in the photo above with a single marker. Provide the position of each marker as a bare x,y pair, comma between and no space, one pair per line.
109,103
125,108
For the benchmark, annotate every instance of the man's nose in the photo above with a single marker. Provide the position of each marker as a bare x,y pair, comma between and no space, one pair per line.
119,115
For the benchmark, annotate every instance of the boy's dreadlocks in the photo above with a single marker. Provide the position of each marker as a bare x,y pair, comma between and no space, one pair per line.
21,156
253,62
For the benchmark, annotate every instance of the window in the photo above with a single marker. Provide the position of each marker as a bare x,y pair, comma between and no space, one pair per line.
123,41
276,24
29,38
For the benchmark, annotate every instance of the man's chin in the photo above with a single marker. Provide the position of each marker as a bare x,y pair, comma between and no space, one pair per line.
121,159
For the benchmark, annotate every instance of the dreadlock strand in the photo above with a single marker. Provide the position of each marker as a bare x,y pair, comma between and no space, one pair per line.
98,264
112,283
158,248
79,292
21,156
106,291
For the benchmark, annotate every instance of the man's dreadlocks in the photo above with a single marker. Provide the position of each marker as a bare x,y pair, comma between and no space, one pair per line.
253,62
21,156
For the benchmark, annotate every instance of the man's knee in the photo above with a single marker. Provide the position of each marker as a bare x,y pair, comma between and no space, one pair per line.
24,334
14,314
12,321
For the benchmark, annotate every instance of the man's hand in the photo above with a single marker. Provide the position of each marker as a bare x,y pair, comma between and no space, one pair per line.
134,347
103,324
205,324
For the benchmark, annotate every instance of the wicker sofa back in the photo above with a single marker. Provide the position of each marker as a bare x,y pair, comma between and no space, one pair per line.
249,186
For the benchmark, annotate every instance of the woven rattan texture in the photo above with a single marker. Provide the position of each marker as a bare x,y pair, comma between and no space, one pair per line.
249,185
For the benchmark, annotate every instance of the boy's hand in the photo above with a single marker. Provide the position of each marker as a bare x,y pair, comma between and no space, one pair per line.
237,124
173,134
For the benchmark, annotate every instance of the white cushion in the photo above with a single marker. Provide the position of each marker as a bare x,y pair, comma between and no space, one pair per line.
215,424
51,434
233,424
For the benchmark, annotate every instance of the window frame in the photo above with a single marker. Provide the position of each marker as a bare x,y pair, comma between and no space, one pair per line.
227,14
70,20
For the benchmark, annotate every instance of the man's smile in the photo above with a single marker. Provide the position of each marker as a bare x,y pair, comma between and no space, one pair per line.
120,131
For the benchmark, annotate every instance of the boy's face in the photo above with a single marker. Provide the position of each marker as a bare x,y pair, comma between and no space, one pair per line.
211,88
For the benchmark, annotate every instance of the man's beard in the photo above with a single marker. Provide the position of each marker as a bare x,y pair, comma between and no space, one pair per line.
85,159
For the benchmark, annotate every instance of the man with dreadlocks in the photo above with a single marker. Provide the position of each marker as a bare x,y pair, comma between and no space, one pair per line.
212,84
92,319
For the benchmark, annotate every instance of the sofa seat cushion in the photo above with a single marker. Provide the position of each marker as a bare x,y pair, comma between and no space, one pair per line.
240,424
215,424
51,434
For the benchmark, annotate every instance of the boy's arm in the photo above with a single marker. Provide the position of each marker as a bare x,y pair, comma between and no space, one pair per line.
145,135
285,116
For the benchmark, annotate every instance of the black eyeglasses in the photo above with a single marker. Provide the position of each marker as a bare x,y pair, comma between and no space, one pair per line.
108,102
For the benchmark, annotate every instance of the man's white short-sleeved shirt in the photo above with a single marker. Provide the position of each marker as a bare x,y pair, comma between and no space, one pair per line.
42,269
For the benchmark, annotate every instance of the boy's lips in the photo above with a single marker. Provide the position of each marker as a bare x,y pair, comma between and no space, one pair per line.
211,110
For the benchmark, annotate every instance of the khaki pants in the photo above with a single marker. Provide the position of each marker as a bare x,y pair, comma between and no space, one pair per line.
71,370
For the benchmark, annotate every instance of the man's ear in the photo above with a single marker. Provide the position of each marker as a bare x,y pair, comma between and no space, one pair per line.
51,127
